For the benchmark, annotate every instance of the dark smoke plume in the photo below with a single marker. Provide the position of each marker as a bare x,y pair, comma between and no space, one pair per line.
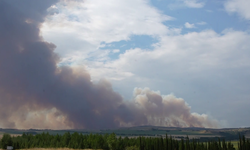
36,93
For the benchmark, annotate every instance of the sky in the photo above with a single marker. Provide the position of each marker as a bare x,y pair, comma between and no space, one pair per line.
115,63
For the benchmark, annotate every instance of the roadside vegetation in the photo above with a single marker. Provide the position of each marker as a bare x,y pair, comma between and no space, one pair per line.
112,142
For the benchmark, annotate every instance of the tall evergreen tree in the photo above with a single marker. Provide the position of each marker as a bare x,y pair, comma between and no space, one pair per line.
6,141
111,140
166,141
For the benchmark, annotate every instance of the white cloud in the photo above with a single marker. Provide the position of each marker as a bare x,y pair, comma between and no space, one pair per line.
187,3
198,50
238,6
86,25
188,25
96,21
194,3
116,51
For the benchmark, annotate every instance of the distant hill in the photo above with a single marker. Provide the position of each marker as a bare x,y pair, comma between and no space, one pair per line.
176,132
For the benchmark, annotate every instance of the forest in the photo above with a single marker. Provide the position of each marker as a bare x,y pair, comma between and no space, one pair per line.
112,142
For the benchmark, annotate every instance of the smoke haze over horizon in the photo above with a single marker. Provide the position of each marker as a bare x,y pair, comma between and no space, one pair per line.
37,93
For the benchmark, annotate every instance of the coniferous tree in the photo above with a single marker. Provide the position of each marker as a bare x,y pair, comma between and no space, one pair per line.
182,145
111,140
166,142
6,141
66,139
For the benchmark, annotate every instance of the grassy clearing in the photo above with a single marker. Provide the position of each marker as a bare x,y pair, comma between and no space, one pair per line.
235,143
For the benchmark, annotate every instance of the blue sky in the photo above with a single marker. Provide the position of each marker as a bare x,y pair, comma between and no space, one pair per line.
196,49
213,13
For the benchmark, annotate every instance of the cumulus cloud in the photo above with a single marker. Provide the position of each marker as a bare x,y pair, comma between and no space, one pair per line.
238,6
194,3
189,25
187,3
199,51
89,27
116,51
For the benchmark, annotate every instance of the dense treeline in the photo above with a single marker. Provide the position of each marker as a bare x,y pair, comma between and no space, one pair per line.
111,142
171,144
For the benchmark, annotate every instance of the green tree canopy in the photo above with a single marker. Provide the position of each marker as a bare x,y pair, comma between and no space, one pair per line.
6,141
111,140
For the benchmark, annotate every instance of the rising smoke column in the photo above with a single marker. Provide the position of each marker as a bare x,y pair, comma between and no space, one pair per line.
167,110
36,93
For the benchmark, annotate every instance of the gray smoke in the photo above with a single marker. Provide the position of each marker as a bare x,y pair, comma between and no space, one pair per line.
36,93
